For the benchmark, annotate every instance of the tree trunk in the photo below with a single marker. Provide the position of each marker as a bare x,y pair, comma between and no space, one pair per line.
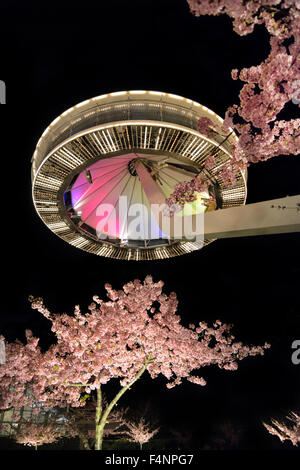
98,433
99,436
102,418
84,442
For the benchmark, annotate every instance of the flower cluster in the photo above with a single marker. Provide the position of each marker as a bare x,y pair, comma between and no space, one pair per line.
284,431
186,191
34,434
140,431
278,16
115,340
266,90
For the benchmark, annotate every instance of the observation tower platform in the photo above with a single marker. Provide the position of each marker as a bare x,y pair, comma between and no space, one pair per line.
85,160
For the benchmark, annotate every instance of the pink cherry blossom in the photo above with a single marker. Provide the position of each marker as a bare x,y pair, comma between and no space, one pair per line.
35,434
267,88
120,338
205,125
140,431
288,430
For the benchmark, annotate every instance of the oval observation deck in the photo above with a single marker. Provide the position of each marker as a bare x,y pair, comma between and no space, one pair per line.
84,160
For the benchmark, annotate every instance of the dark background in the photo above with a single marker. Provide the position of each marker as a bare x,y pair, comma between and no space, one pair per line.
57,54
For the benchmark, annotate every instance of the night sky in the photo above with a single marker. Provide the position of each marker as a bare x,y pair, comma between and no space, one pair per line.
56,54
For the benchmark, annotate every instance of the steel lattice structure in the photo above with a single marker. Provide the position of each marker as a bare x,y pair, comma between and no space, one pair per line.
84,158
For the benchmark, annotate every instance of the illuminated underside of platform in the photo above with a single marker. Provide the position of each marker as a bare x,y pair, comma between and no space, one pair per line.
82,159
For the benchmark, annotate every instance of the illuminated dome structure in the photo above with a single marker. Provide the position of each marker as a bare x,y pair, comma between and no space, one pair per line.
86,158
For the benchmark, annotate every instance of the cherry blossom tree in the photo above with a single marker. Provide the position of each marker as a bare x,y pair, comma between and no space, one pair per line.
267,88
140,431
37,432
136,330
288,430
38,428
35,435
